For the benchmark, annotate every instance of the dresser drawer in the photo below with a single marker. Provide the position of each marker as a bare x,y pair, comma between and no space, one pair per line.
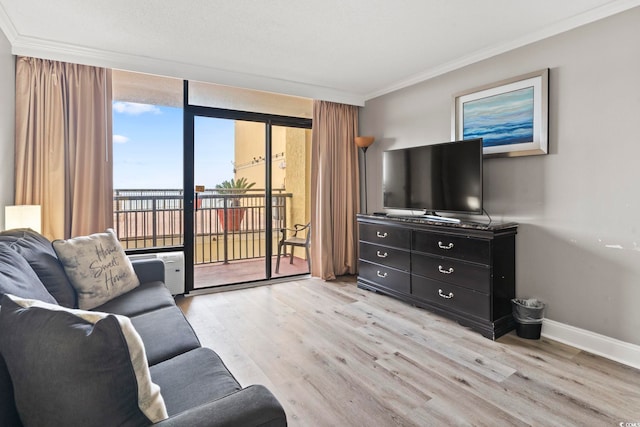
468,275
395,280
469,249
452,297
395,258
384,235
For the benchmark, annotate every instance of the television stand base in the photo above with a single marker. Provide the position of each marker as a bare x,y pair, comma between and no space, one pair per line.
441,218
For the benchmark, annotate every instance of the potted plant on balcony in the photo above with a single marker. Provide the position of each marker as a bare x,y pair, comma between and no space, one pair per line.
234,212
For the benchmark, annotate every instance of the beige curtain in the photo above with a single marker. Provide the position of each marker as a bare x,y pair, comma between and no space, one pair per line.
64,145
334,190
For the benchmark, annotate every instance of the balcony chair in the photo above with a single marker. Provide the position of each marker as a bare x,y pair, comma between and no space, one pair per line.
293,241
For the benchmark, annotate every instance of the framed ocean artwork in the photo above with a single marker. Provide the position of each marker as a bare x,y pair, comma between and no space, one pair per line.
511,116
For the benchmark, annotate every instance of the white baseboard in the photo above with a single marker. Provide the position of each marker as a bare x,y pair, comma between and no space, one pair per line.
611,348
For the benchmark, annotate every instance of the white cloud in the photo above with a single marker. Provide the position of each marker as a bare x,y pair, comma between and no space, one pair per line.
134,109
120,139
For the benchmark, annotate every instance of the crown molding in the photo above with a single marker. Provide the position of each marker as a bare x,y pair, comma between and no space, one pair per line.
39,48
7,26
588,17
30,46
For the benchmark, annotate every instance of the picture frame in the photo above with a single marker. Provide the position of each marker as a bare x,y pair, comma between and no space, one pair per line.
510,115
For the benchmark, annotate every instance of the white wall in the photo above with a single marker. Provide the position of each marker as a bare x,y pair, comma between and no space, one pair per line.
7,124
578,244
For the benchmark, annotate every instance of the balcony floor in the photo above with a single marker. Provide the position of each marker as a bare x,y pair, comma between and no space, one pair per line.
208,275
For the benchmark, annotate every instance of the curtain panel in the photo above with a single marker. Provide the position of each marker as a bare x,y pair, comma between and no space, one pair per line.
335,190
63,146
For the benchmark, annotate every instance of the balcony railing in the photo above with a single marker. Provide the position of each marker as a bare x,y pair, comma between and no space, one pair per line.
227,226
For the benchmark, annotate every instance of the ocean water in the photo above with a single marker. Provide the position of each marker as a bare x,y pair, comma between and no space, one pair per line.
502,119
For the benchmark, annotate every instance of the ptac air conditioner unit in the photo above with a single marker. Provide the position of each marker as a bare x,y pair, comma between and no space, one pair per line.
173,269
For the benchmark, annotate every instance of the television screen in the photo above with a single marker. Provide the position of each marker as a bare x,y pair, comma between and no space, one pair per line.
443,177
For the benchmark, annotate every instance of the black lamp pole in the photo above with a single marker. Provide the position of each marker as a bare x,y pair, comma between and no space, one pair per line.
364,142
364,154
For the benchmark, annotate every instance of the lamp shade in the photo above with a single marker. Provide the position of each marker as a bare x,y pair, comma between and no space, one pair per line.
23,216
364,141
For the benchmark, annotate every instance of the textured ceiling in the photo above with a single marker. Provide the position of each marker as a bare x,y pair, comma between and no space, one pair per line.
342,50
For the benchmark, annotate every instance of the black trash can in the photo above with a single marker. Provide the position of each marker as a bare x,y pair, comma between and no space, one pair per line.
528,314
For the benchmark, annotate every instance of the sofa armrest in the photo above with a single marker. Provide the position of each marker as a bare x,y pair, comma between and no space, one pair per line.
252,406
149,270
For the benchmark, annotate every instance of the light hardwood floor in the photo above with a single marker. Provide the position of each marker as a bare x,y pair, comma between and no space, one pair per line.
336,355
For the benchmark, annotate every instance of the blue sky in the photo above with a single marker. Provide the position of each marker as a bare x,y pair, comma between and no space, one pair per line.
147,147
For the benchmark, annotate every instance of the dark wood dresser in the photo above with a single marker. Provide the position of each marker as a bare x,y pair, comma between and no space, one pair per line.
464,271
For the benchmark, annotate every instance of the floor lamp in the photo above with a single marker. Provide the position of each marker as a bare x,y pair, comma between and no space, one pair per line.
363,142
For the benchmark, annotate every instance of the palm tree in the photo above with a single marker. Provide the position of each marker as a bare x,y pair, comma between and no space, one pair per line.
233,187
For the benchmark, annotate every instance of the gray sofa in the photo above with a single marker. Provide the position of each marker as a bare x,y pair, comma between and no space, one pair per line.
197,388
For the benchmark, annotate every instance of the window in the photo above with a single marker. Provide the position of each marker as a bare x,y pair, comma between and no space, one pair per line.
147,160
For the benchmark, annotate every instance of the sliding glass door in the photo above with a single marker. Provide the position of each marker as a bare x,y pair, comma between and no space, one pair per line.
291,202
230,226
251,205
246,186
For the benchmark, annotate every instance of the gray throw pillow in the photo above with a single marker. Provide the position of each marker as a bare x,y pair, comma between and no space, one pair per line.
97,268
39,253
76,368
18,278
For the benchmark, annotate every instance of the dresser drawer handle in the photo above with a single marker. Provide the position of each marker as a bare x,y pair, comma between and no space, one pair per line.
443,271
381,275
443,295
381,235
382,255
446,247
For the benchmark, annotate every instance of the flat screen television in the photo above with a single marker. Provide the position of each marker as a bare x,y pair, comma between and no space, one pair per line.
444,177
